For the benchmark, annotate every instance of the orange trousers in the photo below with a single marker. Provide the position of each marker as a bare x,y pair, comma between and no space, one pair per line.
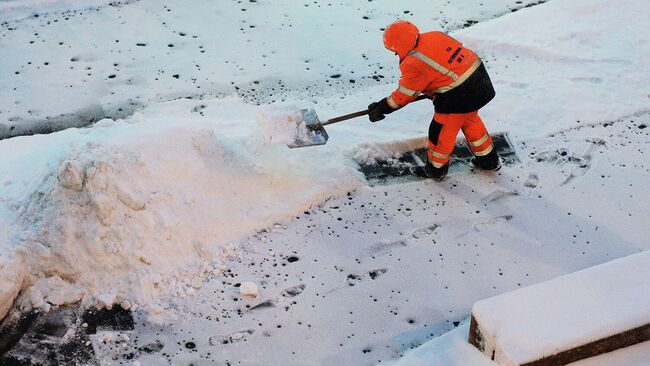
443,131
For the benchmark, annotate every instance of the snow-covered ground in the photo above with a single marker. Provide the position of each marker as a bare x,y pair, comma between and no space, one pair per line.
176,198
79,66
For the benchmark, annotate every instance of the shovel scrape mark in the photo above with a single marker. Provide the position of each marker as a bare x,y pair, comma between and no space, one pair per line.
264,305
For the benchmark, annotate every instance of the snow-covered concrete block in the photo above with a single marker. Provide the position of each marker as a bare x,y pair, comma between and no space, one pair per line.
580,315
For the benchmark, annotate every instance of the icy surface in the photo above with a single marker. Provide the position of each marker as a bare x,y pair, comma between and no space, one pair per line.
567,312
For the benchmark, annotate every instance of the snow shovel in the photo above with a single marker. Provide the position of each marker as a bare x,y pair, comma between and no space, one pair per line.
313,133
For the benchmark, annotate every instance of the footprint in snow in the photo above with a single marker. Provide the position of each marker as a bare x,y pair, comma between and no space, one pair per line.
486,225
231,338
354,279
561,157
286,293
532,181
583,165
385,248
294,291
417,234
499,195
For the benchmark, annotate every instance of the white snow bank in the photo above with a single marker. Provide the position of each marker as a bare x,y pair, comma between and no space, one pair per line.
136,212
450,349
554,316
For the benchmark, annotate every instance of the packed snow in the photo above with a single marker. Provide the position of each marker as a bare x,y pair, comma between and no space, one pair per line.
180,189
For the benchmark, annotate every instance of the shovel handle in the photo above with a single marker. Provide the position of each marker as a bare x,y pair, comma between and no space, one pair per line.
361,113
345,117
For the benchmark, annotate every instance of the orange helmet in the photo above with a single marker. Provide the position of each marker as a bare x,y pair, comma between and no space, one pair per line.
401,37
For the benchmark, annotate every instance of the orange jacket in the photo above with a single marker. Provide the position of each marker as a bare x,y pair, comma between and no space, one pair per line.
437,64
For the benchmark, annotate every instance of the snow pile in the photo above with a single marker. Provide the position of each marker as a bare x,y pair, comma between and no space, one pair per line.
542,320
131,213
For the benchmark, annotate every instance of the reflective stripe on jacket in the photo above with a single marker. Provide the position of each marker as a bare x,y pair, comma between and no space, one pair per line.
437,64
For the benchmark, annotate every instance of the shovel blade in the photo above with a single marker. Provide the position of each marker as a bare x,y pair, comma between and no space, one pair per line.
310,131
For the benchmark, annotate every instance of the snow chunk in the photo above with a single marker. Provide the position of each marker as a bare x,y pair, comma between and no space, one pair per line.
248,289
11,280
71,175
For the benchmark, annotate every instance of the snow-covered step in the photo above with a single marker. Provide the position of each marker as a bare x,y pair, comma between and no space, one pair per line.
573,317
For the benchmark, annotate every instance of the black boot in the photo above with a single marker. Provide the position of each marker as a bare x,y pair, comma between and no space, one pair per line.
487,162
430,171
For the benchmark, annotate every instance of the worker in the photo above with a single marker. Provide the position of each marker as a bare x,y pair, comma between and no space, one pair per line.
437,66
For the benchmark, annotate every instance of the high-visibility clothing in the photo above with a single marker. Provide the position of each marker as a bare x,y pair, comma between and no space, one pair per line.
401,37
443,131
439,66
436,65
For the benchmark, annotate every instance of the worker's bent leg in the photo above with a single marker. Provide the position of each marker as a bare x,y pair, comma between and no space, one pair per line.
442,137
480,142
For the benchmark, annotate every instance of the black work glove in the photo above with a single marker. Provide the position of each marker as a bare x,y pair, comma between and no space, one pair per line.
374,114
378,110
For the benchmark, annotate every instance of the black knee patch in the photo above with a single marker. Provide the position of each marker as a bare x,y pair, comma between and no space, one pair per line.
434,131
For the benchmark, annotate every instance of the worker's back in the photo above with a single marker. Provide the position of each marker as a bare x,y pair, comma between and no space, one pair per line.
443,60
